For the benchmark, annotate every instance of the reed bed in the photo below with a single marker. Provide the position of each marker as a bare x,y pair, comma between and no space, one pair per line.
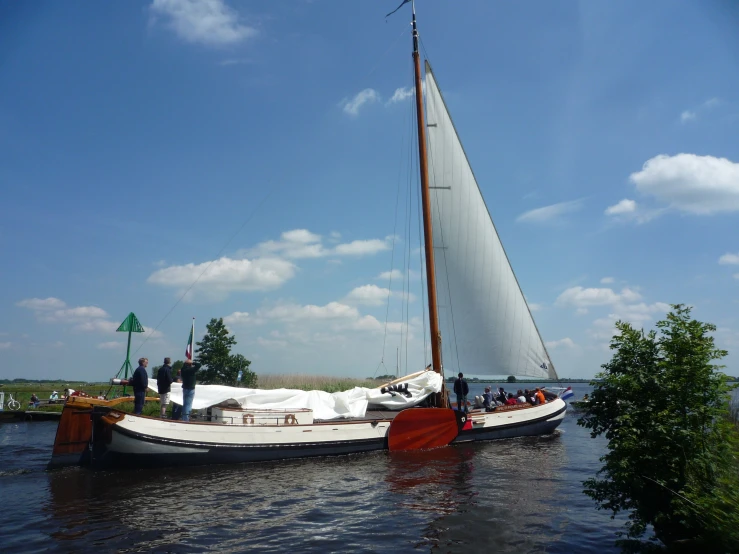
313,382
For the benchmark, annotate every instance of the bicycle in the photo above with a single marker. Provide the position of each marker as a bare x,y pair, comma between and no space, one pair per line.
13,404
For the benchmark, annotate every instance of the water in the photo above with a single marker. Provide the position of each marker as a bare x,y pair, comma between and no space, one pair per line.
520,495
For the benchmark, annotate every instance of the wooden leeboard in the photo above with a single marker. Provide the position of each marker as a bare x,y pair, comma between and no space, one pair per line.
421,428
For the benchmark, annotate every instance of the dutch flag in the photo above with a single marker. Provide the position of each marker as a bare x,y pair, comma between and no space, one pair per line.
567,394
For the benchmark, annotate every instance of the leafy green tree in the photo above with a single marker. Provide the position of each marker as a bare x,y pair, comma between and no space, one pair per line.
177,366
239,363
511,379
214,355
672,453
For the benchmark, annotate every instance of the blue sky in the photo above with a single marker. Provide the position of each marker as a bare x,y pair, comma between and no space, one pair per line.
138,138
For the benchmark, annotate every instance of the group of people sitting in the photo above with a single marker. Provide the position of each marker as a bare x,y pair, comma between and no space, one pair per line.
35,401
489,400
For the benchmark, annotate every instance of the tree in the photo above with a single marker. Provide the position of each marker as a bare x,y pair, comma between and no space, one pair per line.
672,453
240,363
511,379
214,355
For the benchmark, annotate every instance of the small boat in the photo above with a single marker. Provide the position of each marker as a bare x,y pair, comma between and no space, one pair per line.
487,326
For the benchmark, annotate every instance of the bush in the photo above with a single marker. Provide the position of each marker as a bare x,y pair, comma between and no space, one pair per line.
672,449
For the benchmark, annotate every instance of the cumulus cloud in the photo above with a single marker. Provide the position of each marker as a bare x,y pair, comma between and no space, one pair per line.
607,280
566,342
552,213
401,94
42,303
372,295
209,22
227,275
362,247
729,259
301,244
625,206
701,185
580,297
362,98
636,314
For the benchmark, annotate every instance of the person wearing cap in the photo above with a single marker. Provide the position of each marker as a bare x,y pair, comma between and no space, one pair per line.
461,389
164,385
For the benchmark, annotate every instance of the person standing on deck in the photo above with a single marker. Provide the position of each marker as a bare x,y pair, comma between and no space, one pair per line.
140,382
164,385
188,388
461,389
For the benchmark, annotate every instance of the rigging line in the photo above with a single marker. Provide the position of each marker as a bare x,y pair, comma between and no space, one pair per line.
217,256
392,254
402,32
407,253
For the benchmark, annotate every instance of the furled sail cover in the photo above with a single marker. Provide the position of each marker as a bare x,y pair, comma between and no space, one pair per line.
485,322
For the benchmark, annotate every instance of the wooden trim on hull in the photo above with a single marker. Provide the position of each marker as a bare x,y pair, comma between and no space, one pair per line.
164,452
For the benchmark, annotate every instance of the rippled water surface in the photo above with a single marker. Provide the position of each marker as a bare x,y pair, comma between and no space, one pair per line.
520,495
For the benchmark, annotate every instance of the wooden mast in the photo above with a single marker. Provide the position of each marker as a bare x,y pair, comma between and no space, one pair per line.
427,229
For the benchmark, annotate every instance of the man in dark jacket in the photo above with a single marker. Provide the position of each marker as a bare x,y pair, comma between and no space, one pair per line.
164,385
461,389
140,382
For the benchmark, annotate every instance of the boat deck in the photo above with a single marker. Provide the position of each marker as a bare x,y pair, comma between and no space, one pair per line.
370,415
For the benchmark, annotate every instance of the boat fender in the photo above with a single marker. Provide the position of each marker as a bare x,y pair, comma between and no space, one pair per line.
248,419
290,419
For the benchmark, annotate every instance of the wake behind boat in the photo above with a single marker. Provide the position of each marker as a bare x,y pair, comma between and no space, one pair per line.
493,333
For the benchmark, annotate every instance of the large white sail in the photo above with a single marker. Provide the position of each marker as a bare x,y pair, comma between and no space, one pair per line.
486,325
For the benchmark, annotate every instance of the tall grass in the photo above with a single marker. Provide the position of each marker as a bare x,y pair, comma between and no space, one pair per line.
313,382
734,412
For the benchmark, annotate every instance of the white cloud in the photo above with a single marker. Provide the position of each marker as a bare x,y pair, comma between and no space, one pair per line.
296,312
394,274
550,213
110,345
42,303
607,280
691,115
534,307
580,297
565,342
362,247
5,345
238,318
367,96
226,275
695,184
625,206
372,295
401,94
729,259
81,318
686,116
97,326
209,22
301,243
736,275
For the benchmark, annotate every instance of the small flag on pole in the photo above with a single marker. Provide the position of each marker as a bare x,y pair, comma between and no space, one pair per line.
403,3
190,342
567,394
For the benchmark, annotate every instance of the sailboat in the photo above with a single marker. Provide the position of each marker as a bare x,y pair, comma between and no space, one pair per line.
488,327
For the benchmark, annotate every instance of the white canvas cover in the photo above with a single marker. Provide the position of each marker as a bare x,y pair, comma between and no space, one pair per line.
485,321
351,403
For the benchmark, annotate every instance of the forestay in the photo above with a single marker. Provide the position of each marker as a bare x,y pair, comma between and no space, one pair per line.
492,331
351,403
